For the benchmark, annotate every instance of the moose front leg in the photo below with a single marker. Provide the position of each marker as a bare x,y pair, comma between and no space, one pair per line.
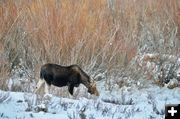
71,88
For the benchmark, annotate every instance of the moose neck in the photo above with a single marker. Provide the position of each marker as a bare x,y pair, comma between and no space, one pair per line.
85,79
86,84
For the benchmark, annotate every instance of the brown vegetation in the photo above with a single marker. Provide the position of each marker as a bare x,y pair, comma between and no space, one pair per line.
94,34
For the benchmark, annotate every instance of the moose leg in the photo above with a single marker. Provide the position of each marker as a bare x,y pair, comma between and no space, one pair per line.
47,86
39,85
71,88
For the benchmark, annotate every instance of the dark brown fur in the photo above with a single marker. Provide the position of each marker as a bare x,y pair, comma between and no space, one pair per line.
71,76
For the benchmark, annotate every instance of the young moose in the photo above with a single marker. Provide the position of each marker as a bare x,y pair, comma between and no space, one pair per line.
71,76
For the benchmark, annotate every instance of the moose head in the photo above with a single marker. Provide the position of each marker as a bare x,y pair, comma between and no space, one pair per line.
92,88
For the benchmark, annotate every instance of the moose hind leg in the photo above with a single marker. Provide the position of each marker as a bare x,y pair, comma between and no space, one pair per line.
39,85
47,86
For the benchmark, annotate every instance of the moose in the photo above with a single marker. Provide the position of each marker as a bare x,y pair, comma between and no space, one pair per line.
71,76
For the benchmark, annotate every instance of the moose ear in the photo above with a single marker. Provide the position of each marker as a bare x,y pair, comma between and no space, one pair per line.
93,83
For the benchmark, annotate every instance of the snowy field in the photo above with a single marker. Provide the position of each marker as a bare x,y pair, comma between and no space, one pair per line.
125,103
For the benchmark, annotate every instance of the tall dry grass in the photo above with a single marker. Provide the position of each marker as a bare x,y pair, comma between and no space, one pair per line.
101,34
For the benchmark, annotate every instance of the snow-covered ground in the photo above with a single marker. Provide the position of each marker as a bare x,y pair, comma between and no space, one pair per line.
125,103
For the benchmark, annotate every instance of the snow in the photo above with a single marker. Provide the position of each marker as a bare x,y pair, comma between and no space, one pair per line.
125,103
